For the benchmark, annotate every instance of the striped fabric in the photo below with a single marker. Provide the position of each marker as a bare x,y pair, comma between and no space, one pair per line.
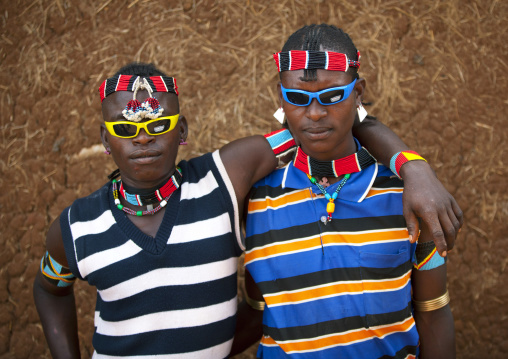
310,59
172,296
126,83
340,290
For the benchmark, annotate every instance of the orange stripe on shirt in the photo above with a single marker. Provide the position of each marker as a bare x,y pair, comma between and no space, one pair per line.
341,339
281,248
264,203
337,288
377,191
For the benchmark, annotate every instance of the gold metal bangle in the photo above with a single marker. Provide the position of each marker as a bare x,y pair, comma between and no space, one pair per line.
254,304
433,304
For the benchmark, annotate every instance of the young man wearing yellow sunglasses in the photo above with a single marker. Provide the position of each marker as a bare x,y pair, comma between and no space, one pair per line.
160,242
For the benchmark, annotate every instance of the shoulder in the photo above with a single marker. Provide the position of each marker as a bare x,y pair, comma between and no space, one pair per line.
197,166
86,208
204,174
275,178
386,178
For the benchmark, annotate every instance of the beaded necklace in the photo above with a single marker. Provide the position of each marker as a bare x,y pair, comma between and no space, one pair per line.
169,188
330,206
147,197
336,168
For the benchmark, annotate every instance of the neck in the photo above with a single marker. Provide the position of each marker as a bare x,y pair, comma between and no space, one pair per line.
145,184
335,168
142,191
149,196
327,151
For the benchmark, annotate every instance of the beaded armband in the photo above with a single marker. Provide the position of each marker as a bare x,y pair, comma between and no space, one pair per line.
55,272
281,141
426,256
400,158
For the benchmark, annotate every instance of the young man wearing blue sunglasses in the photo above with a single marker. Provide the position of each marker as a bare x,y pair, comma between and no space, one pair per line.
330,267
329,96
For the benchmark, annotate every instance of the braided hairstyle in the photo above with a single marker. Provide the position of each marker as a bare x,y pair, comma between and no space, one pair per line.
322,37
140,69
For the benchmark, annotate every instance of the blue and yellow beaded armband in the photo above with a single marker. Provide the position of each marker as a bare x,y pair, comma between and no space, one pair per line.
426,256
55,272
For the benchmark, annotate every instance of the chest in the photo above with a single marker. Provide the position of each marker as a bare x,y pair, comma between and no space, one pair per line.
150,224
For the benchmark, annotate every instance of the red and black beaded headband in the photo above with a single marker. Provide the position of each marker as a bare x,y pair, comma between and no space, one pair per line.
126,83
311,59
136,110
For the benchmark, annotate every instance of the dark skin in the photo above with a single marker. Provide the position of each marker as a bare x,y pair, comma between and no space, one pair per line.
146,161
436,328
326,133
424,195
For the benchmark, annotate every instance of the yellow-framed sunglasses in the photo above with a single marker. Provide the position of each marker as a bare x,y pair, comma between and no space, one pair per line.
129,129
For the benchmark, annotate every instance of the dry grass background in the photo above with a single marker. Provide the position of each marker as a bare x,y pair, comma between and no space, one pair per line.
436,74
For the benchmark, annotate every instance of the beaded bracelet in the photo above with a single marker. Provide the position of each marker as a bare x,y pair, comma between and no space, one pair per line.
402,157
432,304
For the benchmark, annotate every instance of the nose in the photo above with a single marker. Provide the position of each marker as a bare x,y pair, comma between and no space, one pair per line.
315,111
143,137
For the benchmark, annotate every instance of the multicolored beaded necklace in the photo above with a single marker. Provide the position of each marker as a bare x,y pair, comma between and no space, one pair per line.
330,206
162,195
147,197
336,168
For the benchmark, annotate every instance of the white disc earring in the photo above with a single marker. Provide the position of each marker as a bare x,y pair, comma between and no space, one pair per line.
279,115
362,112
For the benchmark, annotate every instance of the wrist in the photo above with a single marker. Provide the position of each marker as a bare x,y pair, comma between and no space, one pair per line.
413,169
400,160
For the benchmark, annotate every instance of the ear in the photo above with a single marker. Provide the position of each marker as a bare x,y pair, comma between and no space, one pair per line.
104,137
182,127
359,89
279,92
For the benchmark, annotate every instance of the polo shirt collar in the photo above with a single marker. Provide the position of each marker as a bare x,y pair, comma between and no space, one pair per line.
355,189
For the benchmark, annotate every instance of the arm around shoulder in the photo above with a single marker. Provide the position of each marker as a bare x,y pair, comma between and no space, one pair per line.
54,298
425,196
247,160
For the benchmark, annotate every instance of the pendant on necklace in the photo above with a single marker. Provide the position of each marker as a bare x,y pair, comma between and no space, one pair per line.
149,207
324,220
324,182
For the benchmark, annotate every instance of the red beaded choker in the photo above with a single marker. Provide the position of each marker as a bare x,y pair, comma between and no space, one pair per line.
163,194
336,168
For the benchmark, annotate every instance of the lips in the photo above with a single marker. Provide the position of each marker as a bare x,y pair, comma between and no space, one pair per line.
317,133
144,156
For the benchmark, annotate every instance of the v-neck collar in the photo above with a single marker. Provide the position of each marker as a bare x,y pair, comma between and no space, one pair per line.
154,245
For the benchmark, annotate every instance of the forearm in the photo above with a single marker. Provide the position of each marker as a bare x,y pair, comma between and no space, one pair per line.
437,333
433,317
249,328
58,318
381,142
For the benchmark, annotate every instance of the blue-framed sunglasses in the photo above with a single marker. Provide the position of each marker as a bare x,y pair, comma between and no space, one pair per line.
329,96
